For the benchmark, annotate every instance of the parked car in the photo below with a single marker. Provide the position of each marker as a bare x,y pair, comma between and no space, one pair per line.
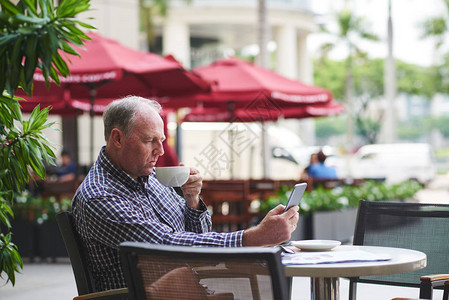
394,162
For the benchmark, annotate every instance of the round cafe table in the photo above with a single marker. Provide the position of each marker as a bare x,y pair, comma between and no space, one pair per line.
325,277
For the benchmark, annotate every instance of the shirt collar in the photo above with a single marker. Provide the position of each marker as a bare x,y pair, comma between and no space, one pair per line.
118,173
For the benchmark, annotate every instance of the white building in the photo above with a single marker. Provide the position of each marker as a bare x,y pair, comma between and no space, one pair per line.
199,32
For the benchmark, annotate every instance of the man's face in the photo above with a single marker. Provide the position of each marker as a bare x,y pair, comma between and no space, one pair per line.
65,159
143,146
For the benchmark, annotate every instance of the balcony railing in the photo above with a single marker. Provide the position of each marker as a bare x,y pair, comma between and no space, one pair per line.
297,4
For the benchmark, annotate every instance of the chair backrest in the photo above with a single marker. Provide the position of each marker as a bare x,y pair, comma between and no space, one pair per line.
179,272
83,277
418,226
230,203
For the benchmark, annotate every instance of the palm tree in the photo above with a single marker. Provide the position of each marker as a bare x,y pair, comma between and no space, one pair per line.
351,30
437,27
389,126
148,9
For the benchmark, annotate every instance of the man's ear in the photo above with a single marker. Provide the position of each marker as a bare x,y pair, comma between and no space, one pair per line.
116,137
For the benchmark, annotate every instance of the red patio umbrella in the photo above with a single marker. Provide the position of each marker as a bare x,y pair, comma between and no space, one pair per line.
105,61
239,87
107,70
241,83
201,114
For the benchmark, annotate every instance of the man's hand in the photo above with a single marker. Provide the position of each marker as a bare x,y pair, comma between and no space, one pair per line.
192,188
274,229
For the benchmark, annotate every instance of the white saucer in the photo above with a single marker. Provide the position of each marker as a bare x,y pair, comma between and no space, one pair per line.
316,245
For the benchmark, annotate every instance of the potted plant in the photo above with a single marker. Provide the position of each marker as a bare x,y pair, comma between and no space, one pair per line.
35,230
33,35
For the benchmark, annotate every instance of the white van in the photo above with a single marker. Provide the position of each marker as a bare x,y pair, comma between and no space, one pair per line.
394,162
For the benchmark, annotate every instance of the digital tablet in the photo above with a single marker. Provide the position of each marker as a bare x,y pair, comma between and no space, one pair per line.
296,195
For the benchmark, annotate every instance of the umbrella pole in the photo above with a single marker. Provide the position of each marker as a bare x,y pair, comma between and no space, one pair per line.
92,94
178,135
266,152
231,107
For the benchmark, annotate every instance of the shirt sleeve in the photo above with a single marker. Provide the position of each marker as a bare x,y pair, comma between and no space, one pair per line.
117,220
198,220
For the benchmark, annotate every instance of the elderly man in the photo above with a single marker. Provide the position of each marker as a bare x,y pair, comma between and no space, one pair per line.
121,199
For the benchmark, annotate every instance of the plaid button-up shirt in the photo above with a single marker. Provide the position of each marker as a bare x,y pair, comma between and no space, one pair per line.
111,207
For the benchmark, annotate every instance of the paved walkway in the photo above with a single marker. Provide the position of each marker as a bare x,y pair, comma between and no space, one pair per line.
39,281
42,281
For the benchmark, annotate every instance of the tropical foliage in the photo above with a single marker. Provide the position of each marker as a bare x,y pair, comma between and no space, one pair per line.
369,75
437,27
368,85
33,35
351,31
148,9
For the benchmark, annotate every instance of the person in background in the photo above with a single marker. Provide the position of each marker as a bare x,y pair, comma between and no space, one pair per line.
318,169
67,171
305,173
121,199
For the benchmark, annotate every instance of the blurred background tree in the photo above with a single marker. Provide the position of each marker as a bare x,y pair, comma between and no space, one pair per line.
412,80
149,9
350,31
33,35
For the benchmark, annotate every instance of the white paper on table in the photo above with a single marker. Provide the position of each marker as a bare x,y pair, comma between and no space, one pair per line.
328,257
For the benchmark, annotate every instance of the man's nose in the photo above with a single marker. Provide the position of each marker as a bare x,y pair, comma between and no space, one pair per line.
160,149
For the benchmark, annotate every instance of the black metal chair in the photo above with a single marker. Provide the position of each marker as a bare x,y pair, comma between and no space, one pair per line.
83,277
446,290
178,272
418,226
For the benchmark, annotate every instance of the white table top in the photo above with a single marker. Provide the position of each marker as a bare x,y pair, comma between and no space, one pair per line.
402,260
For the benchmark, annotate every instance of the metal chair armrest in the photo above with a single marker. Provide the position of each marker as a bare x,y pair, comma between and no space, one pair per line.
435,278
430,281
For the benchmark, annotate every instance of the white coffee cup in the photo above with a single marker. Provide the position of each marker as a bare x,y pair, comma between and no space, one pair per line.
172,176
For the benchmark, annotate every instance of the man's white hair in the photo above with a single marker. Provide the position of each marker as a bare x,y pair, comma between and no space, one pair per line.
121,113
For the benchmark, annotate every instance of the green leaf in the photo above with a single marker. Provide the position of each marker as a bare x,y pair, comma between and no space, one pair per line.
3,75
5,214
7,39
54,75
16,108
71,8
27,19
44,8
50,7
34,115
4,19
37,118
61,65
31,5
85,25
31,58
36,163
10,8
15,61
50,154
66,47
45,54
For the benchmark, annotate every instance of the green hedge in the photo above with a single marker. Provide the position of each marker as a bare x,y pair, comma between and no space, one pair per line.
38,209
346,196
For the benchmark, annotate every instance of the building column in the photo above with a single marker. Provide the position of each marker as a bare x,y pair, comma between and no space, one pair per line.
176,41
305,64
286,52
